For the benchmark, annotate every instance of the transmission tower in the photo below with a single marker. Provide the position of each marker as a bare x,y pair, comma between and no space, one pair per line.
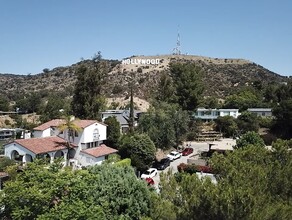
176,50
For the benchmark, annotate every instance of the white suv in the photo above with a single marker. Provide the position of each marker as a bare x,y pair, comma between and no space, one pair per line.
173,155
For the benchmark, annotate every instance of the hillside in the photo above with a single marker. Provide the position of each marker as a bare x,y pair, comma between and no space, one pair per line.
221,77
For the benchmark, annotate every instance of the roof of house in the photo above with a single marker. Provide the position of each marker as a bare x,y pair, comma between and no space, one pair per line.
99,151
259,109
43,145
56,122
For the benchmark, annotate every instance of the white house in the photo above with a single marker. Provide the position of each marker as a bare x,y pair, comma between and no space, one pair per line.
49,141
26,150
212,114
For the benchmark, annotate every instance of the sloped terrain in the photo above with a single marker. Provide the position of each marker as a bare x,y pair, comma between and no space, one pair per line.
221,77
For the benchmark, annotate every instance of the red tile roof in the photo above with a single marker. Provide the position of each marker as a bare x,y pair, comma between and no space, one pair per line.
43,145
56,122
99,151
52,123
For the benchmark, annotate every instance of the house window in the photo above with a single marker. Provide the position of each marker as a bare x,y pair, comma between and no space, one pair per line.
96,134
76,133
263,114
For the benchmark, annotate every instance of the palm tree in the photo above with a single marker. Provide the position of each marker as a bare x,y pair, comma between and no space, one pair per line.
70,128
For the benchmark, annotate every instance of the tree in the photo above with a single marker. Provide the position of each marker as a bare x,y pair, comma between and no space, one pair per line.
139,148
4,103
53,108
250,138
5,162
283,121
166,125
243,100
166,88
251,184
70,128
88,99
247,121
113,131
188,85
101,192
227,125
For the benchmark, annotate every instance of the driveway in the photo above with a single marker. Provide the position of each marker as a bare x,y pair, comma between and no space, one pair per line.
198,147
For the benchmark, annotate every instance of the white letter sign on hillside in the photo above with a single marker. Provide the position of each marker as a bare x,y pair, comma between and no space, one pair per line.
141,61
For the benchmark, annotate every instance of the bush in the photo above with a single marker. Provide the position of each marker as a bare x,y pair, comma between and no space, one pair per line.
191,168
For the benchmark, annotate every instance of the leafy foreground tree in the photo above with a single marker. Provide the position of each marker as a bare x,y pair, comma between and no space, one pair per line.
139,148
250,138
101,192
252,183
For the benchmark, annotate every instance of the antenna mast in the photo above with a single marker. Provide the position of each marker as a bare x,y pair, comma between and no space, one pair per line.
176,50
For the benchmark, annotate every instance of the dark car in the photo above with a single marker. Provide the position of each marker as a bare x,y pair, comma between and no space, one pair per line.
187,151
161,165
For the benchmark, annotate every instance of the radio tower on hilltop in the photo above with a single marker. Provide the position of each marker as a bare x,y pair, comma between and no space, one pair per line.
176,50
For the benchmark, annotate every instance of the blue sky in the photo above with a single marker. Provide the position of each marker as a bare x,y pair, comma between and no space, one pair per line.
37,34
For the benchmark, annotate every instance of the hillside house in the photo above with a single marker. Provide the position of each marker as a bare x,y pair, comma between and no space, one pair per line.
213,114
123,117
261,112
87,148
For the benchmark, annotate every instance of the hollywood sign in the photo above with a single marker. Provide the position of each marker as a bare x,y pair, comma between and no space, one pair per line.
141,61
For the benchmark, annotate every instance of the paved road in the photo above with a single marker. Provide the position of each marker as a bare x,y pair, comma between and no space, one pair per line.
198,147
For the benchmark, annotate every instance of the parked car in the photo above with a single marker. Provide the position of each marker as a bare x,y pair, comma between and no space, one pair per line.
187,151
150,173
149,181
174,155
161,165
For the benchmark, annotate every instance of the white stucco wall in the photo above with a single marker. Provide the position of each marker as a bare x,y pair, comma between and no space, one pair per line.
88,133
44,133
9,148
87,160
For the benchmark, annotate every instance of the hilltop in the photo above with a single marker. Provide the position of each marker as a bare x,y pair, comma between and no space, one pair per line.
221,77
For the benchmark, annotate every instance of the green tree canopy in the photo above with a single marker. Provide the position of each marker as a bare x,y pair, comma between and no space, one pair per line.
166,125
227,125
113,131
101,192
250,138
247,121
4,103
139,148
252,183
188,84
88,99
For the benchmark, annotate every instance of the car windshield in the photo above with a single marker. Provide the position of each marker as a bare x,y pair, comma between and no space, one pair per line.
173,153
163,160
147,172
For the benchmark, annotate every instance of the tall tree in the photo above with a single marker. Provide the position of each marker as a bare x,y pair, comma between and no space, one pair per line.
113,131
4,103
188,84
131,117
88,99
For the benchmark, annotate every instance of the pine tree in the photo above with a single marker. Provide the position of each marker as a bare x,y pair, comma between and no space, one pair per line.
88,99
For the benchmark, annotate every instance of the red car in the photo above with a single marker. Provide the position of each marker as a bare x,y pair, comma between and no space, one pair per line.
149,181
187,151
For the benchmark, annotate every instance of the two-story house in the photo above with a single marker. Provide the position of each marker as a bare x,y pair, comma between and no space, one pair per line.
49,142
